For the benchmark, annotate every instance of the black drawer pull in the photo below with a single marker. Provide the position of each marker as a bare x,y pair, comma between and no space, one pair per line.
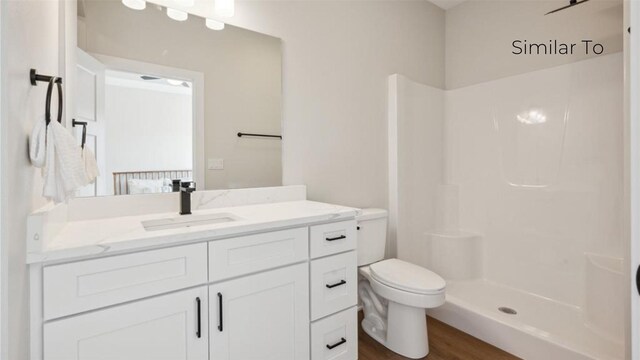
199,326
220,311
336,238
342,341
638,280
342,282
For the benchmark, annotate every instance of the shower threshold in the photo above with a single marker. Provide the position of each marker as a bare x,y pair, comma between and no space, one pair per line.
540,329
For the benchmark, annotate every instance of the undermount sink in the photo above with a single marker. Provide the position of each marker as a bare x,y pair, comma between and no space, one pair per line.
185,221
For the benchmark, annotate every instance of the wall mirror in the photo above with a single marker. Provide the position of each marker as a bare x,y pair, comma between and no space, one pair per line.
164,96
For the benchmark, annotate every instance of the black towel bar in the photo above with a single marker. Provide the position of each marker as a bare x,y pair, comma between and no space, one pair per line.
241,134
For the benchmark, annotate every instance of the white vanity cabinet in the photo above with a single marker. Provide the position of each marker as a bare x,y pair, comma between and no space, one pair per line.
167,327
276,295
263,316
333,291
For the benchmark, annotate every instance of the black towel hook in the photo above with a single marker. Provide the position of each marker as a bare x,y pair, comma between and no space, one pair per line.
35,77
74,122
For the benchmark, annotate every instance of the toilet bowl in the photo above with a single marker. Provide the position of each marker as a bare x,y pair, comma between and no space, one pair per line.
394,293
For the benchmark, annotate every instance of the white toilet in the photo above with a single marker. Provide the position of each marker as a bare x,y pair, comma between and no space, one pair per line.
394,293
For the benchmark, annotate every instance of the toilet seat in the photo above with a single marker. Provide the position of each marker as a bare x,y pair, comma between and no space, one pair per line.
392,293
408,277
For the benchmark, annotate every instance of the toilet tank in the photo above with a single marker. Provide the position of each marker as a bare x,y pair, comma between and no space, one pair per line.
372,235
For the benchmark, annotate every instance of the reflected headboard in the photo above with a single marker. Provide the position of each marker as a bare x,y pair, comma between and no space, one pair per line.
121,179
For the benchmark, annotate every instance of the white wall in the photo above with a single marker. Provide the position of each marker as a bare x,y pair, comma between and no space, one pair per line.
29,40
337,56
243,82
480,33
147,128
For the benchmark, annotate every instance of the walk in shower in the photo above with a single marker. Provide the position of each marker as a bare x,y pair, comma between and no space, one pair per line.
512,190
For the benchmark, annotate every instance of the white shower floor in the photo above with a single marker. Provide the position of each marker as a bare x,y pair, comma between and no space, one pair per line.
542,328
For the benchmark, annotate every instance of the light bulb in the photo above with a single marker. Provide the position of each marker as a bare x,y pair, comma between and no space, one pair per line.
135,4
214,24
225,8
177,15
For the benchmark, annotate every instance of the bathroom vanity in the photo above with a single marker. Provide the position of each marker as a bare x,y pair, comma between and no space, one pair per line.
274,277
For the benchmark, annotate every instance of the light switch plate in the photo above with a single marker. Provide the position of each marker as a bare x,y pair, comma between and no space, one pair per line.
215,164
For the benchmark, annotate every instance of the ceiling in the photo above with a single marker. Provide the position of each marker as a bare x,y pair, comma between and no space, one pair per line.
447,4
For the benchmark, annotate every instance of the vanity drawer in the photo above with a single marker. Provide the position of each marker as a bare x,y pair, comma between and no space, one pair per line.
90,284
334,284
247,254
332,238
335,337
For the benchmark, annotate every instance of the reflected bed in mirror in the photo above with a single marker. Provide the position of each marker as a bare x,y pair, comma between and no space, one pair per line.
165,100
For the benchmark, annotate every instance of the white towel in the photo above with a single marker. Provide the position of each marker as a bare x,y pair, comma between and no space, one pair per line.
37,143
64,173
90,165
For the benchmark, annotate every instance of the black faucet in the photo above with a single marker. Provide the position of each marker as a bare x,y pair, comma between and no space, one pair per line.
186,188
175,185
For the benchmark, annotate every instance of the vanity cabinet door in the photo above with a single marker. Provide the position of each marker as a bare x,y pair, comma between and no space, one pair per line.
167,327
262,317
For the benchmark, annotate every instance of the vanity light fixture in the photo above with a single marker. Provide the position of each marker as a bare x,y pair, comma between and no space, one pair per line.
135,4
225,8
177,15
214,24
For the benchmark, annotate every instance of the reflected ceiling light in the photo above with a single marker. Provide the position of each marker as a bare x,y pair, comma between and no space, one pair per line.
532,117
225,8
177,15
135,4
174,82
214,24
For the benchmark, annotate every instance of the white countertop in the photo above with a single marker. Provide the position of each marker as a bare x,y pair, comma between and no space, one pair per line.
78,239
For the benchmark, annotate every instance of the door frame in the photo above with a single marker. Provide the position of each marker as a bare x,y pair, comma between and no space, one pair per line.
632,119
196,78
4,299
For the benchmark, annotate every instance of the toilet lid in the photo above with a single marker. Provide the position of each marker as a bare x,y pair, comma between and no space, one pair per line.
406,276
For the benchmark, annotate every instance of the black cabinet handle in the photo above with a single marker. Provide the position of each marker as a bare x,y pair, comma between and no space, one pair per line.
342,341
220,311
336,238
342,282
638,280
199,328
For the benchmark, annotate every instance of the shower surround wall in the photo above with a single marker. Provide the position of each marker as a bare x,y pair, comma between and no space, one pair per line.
533,165
543,194
415,164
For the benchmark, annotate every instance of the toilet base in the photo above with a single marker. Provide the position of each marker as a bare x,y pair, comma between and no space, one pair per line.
400,328
407,331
